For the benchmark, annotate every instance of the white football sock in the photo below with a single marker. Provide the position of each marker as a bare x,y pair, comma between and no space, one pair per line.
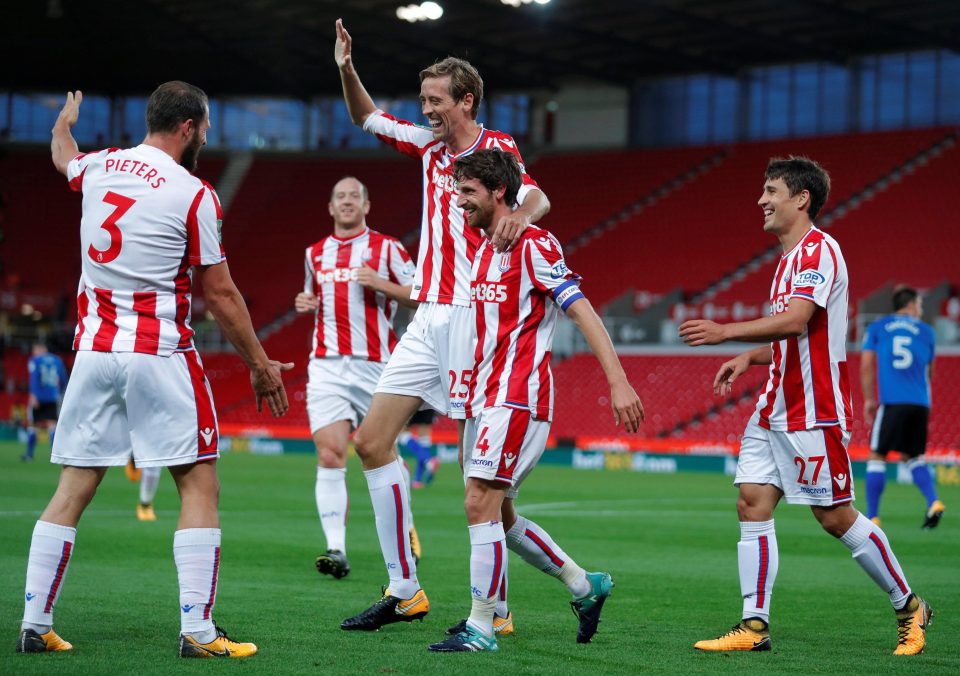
536,547
149,481
758,560
872,551
391,506
196,551
488,560
50,551
502,609
332,503
405,471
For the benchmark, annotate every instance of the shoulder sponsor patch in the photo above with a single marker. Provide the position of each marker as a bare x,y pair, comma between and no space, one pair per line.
408,269
559,270
808,278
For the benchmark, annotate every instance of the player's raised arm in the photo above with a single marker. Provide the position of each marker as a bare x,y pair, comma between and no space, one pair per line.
626,405
228,308
359,103
63,147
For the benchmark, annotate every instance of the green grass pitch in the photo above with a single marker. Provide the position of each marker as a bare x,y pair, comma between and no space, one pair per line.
668,540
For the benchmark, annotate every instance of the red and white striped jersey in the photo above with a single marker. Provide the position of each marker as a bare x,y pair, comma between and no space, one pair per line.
809,385
447,243
352,320
145,221
517,295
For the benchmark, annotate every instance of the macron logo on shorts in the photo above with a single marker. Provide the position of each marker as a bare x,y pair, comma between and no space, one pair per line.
841,481
207,434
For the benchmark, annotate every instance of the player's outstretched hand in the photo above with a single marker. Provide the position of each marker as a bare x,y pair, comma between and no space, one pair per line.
268,385
627,407
696,332
71,109
343,48
305,302
368,278
508,232
730,371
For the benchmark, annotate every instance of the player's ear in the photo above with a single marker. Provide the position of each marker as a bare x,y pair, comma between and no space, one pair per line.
803,199
187,128
366,207
467,103
330,208
500,192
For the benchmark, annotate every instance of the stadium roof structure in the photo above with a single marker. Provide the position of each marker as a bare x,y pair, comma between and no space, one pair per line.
285,47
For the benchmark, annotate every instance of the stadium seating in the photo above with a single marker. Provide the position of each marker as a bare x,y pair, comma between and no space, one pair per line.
588,188
894,236
281,208
712,225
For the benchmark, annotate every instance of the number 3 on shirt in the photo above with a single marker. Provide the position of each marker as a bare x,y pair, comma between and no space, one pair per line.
122,205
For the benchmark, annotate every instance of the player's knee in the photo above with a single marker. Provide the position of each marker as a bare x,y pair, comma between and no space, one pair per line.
363,444
370,446
744,510
835,520
330,458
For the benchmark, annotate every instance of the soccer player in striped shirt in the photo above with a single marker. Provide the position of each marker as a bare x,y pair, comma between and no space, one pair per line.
353,280
431,365
795,444
517,298
148,223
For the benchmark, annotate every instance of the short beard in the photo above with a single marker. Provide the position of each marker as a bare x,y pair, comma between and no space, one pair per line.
188,160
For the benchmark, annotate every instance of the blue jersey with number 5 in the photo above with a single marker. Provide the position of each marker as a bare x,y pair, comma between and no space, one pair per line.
904,347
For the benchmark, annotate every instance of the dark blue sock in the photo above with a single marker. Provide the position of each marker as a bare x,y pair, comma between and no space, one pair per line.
31,441
923,478
421,453
876,482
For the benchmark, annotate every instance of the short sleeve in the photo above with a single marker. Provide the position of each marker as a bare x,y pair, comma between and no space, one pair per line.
204,224
814,278
870,338
399,264
401,135
549,272
77,167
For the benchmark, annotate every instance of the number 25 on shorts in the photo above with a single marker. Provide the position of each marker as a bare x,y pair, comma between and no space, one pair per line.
460,390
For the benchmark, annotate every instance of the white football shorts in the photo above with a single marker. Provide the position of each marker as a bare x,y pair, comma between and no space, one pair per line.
434,358
121,404
504,445
340,388
811,467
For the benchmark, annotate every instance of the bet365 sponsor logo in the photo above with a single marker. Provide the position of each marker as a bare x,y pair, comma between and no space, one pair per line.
488,292
336,275
779,304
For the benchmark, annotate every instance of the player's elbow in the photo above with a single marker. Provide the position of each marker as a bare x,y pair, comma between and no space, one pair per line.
544,204
60,164
221,297
793,327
